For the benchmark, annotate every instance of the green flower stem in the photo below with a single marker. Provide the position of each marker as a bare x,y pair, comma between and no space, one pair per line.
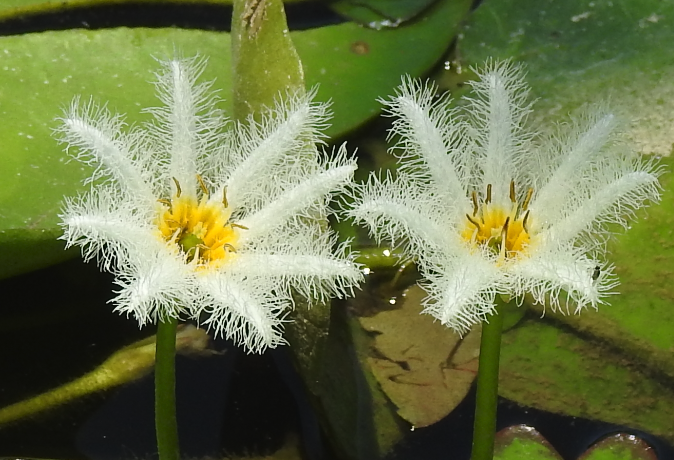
484,428
164,391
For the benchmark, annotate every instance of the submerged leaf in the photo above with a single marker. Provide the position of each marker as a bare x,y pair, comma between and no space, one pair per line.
423,367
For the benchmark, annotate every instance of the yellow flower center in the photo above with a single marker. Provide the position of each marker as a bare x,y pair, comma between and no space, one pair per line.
504,230
200,228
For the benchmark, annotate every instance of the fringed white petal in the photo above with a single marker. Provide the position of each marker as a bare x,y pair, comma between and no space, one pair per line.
154,288
566,273
186,121
462,294
105,230
397,210
497,112
575,158
287,134
243,310
101,143
430,142
314,277
295,201
610,203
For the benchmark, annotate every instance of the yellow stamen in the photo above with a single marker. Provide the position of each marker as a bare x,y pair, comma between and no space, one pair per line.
476,206
473,221
502,229
202,185
199,228
527,199
178,189
504,239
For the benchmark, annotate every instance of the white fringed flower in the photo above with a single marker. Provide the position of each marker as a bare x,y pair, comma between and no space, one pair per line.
195,219
487,207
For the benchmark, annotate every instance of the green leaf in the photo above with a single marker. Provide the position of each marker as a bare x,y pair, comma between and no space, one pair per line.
553,369
577,52
522,443
354,66
380,13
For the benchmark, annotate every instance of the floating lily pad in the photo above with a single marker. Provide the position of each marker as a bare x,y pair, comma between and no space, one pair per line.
40,73
552,369
617,52
620,447
523,442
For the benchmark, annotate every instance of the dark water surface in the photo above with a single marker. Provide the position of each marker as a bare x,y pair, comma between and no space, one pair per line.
57,326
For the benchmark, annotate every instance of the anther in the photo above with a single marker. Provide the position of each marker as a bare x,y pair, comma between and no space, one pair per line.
527,199
224,198
164,201
475,203
178,189
512,191
488,199
202,185
504,239
473,221
234,224
504,232
229,247
525,221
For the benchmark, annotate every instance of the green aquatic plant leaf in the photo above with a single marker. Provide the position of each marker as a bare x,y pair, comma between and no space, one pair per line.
521,442
579,52
554,369
41,72
380,13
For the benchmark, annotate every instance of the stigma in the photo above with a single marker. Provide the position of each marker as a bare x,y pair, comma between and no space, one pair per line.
504,230
200,228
